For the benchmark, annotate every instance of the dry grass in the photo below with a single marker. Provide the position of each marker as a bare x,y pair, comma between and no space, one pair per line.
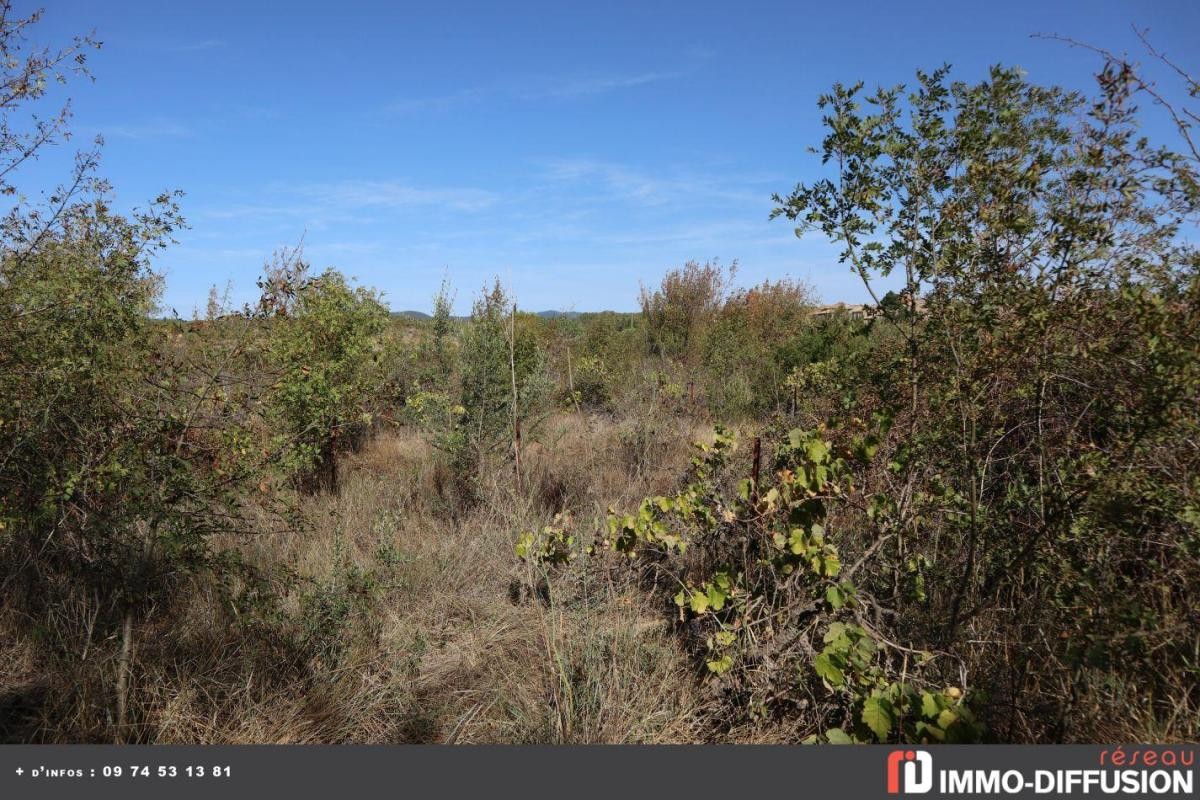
441,648
413,621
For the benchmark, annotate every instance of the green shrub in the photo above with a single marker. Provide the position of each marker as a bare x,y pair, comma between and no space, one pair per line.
1040,391
678,312
502,383
325,348
758,578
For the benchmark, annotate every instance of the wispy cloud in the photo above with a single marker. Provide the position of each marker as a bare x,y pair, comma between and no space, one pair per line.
439,103
396,194
713,233
257,113
575,87
531,88
626,183
347,202
152,129
193,47
618,179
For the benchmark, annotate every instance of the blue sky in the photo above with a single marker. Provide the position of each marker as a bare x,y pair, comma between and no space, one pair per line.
573,149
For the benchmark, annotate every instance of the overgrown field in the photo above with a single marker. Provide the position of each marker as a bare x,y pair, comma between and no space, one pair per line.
971,513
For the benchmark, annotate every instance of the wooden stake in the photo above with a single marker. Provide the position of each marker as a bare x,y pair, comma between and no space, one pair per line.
571,383
757,463
123,675
512,365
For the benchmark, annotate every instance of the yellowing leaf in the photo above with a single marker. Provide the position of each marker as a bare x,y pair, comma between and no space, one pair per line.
929,705
838,736
721,665
877,715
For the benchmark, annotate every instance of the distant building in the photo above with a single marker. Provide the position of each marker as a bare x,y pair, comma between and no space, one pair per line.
860,311
855,311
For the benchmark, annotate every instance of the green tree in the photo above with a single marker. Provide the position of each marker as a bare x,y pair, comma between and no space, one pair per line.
1043,231
502,387
326,349
682,307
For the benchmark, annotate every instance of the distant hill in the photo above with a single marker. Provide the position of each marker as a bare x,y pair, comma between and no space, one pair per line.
543,314
548,314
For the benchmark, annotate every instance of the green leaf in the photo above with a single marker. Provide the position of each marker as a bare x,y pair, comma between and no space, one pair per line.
836,631
929,705
838,736
877,715
829,672
721,665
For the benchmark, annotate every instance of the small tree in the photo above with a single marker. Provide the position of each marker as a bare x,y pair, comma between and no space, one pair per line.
440,328
326,350
1048,379
502,382
744,349
681,308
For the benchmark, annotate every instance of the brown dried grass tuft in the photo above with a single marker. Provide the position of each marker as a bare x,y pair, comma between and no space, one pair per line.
438,651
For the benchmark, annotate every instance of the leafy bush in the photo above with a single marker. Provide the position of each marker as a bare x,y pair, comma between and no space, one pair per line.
502,385
1041,390
593,382
325,347
746,353
681,308
129,444
760,577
